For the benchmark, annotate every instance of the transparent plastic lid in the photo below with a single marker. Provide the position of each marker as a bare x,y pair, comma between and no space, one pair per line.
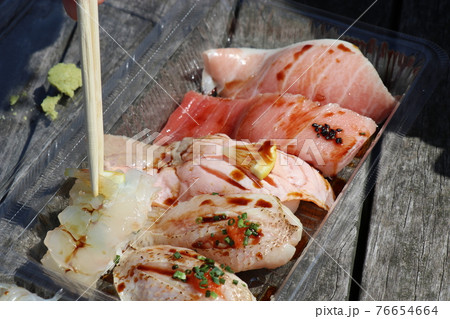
146,90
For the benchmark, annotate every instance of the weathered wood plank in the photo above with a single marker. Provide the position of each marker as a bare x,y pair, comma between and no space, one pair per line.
408,249
26,56
24,129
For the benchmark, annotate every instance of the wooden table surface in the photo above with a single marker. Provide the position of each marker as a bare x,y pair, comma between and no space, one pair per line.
395,248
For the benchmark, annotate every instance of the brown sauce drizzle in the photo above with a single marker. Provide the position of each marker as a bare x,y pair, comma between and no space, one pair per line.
206,202
237,175
303,50
263,203
280,75
242,201
224,177
170,201
270,181
146,268
120,287
343,48
319,97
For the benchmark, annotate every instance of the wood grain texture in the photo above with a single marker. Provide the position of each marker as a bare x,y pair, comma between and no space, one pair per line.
408,240
26,56
24,129
408,249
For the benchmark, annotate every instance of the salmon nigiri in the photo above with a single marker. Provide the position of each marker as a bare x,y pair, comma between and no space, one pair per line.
218,164
326,71
327,137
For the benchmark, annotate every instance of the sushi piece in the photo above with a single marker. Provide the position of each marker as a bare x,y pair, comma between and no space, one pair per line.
244,231
94,230
11,292
328,137
326,71
218,164
163,273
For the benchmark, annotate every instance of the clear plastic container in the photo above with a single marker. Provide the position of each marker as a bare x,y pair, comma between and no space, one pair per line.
142,95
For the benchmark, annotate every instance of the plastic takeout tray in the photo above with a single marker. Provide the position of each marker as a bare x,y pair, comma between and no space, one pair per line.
139,97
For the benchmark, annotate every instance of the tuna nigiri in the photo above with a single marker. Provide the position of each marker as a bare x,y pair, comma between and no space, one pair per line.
327,137
326,71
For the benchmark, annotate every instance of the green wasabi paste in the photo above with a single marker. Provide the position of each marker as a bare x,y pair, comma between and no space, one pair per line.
48,106
65,77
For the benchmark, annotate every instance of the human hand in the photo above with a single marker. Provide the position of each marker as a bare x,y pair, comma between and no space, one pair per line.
71,7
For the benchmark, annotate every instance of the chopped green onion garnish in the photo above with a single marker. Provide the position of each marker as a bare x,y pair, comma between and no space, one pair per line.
216,280
231,222
216,217
229,241
235,282
224,231
214,193
244,216
177,255
222,281
245,240
199,275
211,294
217,272
228,268
199,220
212,234
175,267
204,283
241,223
188,271
179,275
200,257
116,259
209,261
248,232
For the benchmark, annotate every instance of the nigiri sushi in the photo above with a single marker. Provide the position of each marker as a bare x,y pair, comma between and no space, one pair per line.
94,230
326,71
209,165
328,137
164,272
12,292
244,231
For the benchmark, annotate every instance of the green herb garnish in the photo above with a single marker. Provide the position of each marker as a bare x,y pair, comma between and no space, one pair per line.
177,255
179,275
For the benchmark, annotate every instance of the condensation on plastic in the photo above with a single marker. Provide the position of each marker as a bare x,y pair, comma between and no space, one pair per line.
146,89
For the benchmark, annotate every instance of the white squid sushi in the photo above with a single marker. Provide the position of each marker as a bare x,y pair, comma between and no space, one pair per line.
94,230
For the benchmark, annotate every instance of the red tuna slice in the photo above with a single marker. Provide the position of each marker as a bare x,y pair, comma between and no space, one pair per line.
326,71
299,129
287,119
200,115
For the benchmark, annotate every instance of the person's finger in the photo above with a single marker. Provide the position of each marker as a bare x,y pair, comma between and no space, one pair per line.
71,7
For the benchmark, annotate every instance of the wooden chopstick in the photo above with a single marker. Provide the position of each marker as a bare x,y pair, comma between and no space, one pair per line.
87,11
